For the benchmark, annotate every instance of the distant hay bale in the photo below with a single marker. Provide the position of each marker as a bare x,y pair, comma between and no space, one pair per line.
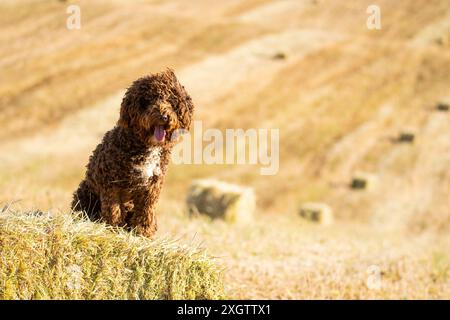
317,212
406,137
443,41
45,256
364,181
279,56
442,107
218,199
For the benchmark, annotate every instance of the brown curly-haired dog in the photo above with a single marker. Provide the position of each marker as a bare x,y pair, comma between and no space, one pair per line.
126,171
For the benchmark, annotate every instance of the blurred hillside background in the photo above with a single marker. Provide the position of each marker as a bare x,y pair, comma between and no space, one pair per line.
337,91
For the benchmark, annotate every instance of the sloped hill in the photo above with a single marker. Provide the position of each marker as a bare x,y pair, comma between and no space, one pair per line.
338,98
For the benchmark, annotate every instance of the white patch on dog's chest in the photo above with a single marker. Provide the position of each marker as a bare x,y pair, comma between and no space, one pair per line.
152,165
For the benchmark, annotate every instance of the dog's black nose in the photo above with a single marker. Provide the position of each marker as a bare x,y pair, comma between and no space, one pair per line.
165,118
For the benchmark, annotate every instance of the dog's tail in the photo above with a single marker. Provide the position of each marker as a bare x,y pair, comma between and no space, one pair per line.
84,199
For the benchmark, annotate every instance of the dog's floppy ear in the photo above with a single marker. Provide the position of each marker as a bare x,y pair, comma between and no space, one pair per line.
187,111
183,106
125,118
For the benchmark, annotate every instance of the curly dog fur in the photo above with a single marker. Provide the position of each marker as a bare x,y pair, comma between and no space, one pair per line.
126,171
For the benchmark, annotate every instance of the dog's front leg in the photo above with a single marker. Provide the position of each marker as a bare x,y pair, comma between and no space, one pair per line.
111,212
143,220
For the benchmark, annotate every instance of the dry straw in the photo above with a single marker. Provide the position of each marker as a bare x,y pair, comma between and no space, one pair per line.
47,256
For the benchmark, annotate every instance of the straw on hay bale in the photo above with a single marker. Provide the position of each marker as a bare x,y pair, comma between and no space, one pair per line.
222,200
317,212
46,256
443,107
364,181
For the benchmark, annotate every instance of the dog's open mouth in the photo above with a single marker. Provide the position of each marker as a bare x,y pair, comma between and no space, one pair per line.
160,133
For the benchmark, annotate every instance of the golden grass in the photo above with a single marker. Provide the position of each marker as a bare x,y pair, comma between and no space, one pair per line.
60,76
336,102
58,256
285,257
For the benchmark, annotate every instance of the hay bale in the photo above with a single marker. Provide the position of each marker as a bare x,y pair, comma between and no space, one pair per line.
279,56
364,181
218,199
317,212
443,41
45,256
444,107
406,137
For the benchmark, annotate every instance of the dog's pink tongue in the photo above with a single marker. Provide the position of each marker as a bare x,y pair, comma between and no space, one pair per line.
160,133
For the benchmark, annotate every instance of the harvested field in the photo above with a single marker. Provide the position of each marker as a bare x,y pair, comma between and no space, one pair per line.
338,93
